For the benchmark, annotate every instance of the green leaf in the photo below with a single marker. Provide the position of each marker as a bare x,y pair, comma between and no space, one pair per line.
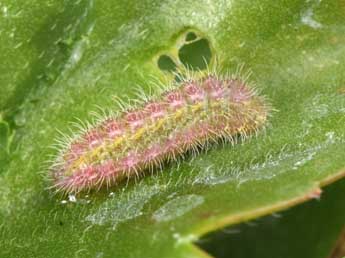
307,230
61,59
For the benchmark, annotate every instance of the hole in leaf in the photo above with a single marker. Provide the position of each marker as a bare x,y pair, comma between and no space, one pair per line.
165,63
196,55
191,36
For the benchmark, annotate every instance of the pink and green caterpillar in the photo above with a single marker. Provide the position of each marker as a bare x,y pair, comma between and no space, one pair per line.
181,119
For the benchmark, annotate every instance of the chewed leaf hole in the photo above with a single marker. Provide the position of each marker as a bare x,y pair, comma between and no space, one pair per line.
165,63
191,36
191,51
196,55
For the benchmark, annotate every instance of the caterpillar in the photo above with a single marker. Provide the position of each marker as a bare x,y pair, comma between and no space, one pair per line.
182,118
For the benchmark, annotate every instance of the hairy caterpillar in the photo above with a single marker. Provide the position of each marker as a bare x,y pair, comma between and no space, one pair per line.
181,118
